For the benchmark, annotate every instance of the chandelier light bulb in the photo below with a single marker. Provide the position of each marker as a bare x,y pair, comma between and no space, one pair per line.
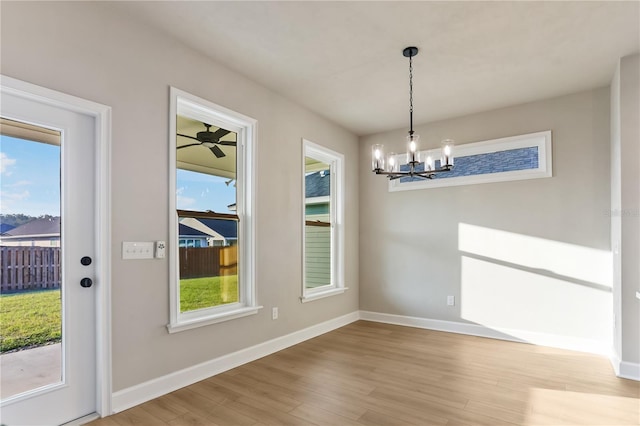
413,153
447,153
392,164
377,157
428,163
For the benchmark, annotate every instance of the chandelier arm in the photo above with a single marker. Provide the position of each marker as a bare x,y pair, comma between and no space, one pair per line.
412,173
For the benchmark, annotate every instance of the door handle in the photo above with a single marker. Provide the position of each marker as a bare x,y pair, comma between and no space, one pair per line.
86,282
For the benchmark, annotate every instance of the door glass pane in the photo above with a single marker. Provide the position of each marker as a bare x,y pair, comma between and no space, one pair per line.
207,219
30,258
317,241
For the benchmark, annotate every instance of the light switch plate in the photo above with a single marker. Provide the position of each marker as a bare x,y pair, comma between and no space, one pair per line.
137,250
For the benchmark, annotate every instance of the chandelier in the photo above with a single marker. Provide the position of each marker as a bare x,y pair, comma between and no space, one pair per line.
390,166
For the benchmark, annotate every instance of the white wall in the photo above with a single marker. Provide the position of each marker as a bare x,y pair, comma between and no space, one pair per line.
625,211
418,247
88,49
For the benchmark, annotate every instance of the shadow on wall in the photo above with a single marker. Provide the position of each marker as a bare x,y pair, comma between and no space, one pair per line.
512,282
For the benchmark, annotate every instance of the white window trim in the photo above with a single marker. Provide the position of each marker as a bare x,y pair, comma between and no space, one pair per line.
336,198
191,106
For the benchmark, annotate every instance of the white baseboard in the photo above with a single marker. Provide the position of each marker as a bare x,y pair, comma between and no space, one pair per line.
624,369
130,397
542,339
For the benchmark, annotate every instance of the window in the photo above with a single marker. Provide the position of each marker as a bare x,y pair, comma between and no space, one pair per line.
211,200
323,222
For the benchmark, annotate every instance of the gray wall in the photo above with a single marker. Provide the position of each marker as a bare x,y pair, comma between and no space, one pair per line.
89,50
410,256
625,206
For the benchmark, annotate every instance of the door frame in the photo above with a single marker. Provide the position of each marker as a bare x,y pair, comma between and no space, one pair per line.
102,138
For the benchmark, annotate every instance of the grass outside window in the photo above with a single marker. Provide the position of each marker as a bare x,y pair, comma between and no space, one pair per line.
200,293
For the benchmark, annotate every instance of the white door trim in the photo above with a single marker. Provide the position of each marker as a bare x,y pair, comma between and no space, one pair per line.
102,116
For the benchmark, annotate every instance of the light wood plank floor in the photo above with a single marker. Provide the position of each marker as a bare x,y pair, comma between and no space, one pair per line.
377,374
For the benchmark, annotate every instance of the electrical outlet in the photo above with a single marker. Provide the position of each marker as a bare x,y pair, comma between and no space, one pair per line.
451,300
274,313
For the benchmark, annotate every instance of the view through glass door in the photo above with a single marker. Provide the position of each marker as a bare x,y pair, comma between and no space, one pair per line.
30,253
47,244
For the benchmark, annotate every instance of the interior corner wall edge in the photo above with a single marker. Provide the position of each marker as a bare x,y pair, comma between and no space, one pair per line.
93,51
519,255
625,206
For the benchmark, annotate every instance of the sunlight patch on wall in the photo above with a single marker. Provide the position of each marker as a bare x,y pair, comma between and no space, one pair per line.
532,287
503,297
565,260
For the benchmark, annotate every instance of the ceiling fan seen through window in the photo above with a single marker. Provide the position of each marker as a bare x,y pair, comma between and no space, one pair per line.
210,140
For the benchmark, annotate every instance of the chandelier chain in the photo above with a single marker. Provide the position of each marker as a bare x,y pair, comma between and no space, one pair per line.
410,95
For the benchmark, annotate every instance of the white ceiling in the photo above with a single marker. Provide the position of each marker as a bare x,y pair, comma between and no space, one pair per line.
344,59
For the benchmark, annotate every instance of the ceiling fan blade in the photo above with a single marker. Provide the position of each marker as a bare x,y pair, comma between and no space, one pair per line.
217,151
226,143
186,146
187,136
220,133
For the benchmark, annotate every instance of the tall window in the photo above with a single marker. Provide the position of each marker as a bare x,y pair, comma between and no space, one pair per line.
323,222
211,185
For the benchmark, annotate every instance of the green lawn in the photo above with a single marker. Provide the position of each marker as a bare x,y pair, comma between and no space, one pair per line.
198,293
33,318
29,319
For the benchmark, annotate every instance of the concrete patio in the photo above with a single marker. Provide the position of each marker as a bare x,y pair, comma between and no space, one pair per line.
29,369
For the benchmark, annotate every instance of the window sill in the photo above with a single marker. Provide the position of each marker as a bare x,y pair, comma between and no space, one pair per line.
321,295
212,319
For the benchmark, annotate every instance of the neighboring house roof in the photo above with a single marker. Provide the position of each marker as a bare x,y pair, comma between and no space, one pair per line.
187,231
226,228
5,227
42,226
218,228
317,184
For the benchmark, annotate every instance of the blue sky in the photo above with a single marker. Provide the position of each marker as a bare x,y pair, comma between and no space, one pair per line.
30,182
29,177
202,192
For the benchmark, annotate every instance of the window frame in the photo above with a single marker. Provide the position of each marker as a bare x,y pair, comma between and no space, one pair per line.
188,105
336,212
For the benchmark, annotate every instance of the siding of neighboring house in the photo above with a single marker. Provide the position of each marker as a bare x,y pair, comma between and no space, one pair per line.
317,251
317,242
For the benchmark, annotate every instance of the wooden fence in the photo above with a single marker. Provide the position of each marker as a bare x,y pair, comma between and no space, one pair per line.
199,262
29,268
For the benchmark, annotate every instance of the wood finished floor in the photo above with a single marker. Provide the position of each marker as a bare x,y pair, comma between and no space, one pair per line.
377,374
